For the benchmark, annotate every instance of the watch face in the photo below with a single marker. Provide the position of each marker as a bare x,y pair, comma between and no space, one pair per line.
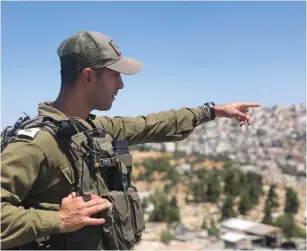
211,104
212,110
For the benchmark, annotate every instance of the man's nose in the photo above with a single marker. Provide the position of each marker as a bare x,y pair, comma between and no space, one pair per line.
120,84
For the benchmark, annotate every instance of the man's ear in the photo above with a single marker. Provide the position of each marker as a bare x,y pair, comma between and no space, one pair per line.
87,75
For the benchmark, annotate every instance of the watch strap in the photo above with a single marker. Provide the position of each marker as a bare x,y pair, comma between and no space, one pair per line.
211,105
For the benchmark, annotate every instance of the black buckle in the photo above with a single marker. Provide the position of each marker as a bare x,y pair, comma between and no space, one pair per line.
107,162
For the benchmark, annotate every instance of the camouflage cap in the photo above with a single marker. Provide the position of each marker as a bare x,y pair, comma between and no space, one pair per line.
94,50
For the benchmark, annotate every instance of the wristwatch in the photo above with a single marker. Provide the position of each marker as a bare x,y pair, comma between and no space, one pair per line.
211,105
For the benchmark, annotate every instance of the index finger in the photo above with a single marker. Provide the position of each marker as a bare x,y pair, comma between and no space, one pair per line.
72,195
245,105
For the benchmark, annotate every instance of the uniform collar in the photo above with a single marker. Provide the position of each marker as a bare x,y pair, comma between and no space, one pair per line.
46,109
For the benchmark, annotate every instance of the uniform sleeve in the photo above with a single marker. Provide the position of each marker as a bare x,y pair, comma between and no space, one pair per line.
165,126
21,163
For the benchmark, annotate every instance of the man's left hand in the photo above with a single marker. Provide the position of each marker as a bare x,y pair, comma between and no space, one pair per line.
236,110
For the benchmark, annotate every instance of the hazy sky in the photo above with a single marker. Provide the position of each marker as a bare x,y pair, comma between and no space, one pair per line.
192,52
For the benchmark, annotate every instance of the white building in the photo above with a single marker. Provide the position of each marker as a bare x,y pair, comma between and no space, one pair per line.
240,232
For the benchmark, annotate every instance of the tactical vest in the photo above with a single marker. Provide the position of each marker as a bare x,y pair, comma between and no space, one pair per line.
101,166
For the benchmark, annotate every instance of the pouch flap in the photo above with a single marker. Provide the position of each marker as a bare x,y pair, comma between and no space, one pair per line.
134,195
126,159
119,201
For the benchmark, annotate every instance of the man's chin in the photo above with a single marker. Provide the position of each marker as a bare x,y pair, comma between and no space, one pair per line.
104,108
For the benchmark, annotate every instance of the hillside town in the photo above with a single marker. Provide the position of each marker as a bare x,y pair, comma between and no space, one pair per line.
274,147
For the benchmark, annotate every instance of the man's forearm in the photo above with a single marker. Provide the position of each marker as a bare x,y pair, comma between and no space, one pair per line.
165,126
20,226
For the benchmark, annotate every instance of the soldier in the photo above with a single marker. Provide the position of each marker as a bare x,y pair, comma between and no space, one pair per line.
40,183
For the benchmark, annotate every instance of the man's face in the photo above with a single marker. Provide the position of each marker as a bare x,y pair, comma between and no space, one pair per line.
103,89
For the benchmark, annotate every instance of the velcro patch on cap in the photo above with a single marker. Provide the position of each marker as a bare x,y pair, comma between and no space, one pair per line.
29,133
115,48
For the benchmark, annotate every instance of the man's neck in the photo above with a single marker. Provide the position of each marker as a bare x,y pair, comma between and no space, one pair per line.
71,106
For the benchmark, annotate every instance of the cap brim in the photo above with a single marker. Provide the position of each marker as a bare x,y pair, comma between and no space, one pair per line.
126,66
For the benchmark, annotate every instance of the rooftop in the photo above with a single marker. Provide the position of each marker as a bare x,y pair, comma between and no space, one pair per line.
233,237
250,226
236,223
263,229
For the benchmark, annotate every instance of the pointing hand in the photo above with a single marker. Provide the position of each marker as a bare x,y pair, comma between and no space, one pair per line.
236,110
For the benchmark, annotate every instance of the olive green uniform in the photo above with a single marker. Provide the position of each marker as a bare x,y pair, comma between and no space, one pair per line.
35,171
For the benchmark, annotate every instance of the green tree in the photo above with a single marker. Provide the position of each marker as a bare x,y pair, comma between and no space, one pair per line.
232,183
214,188
272,197
173,215
161,205
258,178
227,209
145,202
198,192
213,231
244,204
165,211
166,237
243,178
202,175
267,219
173,202
173,211
254,192
287,223
291,202
255,184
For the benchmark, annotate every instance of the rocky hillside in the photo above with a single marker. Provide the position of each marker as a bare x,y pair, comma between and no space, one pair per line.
275,143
